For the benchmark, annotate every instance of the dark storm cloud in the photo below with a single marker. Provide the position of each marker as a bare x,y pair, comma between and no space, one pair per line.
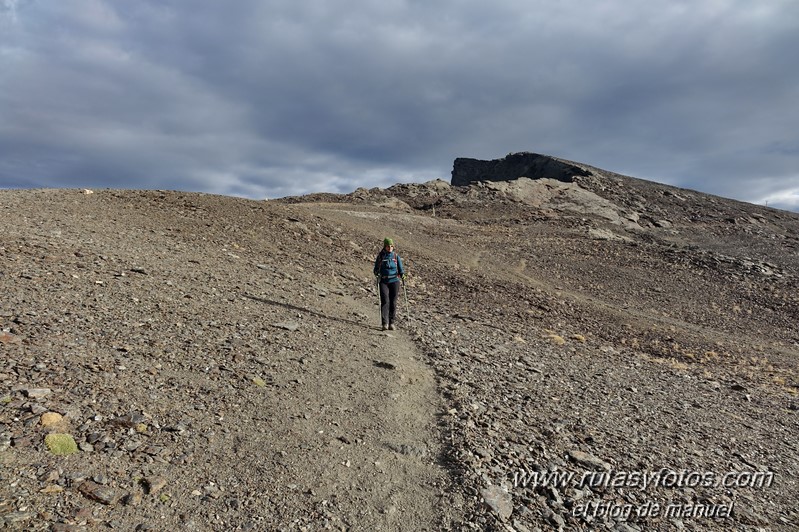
276,97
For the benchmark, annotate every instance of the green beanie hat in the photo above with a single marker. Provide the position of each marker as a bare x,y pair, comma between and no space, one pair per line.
388,242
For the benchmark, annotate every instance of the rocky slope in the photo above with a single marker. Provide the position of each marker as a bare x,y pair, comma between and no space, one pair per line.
218,364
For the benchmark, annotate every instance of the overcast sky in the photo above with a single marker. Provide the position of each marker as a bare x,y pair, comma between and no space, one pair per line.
280,97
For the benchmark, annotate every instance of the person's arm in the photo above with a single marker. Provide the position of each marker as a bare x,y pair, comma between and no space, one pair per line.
400,268
377,264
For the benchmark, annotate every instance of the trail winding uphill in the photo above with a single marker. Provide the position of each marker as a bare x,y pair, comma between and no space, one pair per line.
214,363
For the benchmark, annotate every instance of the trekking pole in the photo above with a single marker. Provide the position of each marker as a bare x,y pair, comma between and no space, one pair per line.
407,306
379,298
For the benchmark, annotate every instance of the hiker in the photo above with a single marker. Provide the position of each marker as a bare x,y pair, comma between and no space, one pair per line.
388,271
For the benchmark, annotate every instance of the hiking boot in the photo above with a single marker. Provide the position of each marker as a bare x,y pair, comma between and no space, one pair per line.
385,327
392,327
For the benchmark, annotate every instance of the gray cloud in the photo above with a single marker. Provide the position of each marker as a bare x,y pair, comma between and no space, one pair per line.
271,98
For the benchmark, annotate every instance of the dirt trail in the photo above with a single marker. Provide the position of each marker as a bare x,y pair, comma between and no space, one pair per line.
381,401
389,476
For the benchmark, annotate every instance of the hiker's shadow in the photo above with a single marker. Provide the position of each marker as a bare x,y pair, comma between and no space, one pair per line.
309,311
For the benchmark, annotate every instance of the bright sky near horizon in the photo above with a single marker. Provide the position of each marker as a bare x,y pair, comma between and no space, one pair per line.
267,98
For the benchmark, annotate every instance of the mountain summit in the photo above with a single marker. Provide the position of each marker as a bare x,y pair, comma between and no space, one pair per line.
531,165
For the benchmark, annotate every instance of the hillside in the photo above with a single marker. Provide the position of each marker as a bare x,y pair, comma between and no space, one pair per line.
219,364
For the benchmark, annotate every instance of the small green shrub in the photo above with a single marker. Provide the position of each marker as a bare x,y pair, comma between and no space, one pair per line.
61,444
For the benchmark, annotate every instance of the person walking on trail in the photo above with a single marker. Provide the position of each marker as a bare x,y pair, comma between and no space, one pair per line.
389,271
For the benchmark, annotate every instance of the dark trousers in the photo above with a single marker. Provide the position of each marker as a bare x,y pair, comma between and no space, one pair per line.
389,293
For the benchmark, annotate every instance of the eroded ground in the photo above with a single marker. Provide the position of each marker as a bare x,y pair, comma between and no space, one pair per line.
218,364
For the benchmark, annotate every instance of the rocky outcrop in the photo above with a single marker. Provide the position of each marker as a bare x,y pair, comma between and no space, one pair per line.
466,171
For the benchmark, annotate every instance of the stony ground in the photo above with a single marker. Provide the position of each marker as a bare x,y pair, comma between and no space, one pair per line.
217,361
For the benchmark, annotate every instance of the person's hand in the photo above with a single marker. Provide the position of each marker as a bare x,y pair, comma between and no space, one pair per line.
404,277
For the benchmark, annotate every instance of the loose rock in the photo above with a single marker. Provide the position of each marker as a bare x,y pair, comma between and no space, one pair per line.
96,492
498,500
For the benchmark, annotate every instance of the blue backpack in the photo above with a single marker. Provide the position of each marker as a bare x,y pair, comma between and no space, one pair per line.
388,264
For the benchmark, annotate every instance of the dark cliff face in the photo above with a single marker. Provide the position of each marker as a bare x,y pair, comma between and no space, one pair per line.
513,166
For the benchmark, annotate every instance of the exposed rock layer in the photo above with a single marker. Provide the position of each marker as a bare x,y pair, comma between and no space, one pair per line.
466,171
